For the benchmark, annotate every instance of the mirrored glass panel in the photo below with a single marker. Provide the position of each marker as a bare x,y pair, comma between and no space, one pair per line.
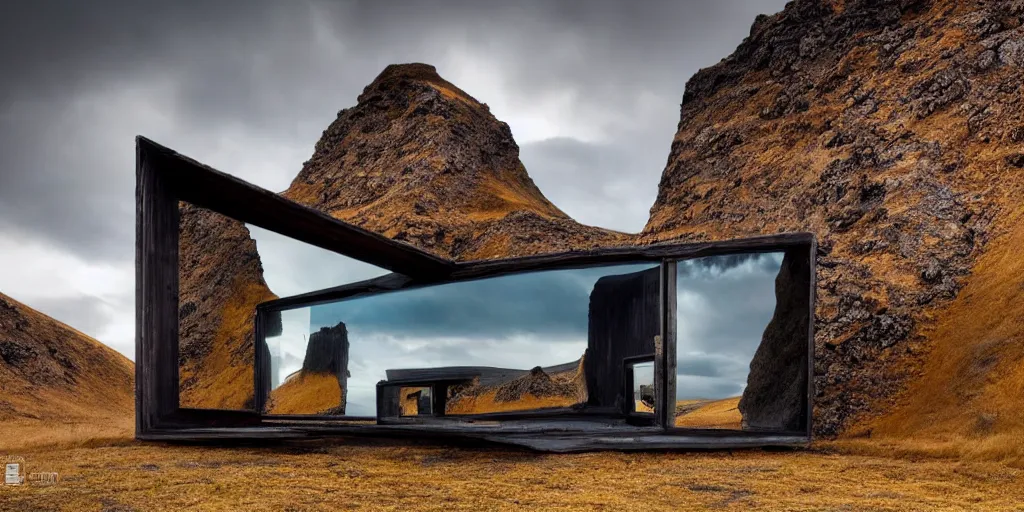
415,401
741,342
640,377
226,268
547,341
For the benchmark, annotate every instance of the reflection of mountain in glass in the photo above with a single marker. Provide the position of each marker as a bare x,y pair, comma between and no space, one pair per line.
742,331
775,397
319,387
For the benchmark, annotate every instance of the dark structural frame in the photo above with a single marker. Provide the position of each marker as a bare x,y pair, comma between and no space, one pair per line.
164,177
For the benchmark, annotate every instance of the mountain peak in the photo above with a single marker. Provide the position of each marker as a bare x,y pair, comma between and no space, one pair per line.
404,76
420,160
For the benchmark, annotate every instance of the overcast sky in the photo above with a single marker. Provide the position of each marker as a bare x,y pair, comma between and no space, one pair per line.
591,91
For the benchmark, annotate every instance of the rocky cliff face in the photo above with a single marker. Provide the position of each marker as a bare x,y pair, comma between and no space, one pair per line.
419,160
53,373
892,130
220,283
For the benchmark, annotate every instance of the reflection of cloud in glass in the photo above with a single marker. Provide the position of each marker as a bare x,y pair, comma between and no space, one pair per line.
291,344
517,321
723,305
550,304
291,267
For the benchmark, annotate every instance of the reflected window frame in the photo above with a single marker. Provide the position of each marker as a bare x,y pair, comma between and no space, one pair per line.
670,361
629,364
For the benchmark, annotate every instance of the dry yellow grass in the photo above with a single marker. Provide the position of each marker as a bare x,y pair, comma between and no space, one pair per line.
67,389
639,406
715,414
22,434
503,193
969,399
128,475
306,393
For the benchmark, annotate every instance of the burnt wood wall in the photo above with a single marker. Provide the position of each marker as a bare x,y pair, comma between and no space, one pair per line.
156,292
625,316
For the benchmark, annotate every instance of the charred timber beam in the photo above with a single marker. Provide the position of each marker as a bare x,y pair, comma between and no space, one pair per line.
209,188
572,259
156,296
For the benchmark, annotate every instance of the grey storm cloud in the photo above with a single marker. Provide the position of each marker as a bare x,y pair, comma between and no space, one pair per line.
611,196
550,305
249,86
294,267
724,304
281,70
696,364
689,387
88,313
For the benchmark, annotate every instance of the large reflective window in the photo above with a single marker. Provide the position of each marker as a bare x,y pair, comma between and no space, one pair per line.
741,341
225,269
537,341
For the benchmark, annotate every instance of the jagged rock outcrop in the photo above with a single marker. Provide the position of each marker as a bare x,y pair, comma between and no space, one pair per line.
561,385
419,160
53,373
320,386
327,352
536,383
220,283
775,397
892,130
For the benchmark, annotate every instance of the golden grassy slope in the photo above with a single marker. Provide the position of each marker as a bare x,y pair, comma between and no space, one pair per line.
306,393
969,398
64,386
563,389
222,379
486,402
723,413
220,284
